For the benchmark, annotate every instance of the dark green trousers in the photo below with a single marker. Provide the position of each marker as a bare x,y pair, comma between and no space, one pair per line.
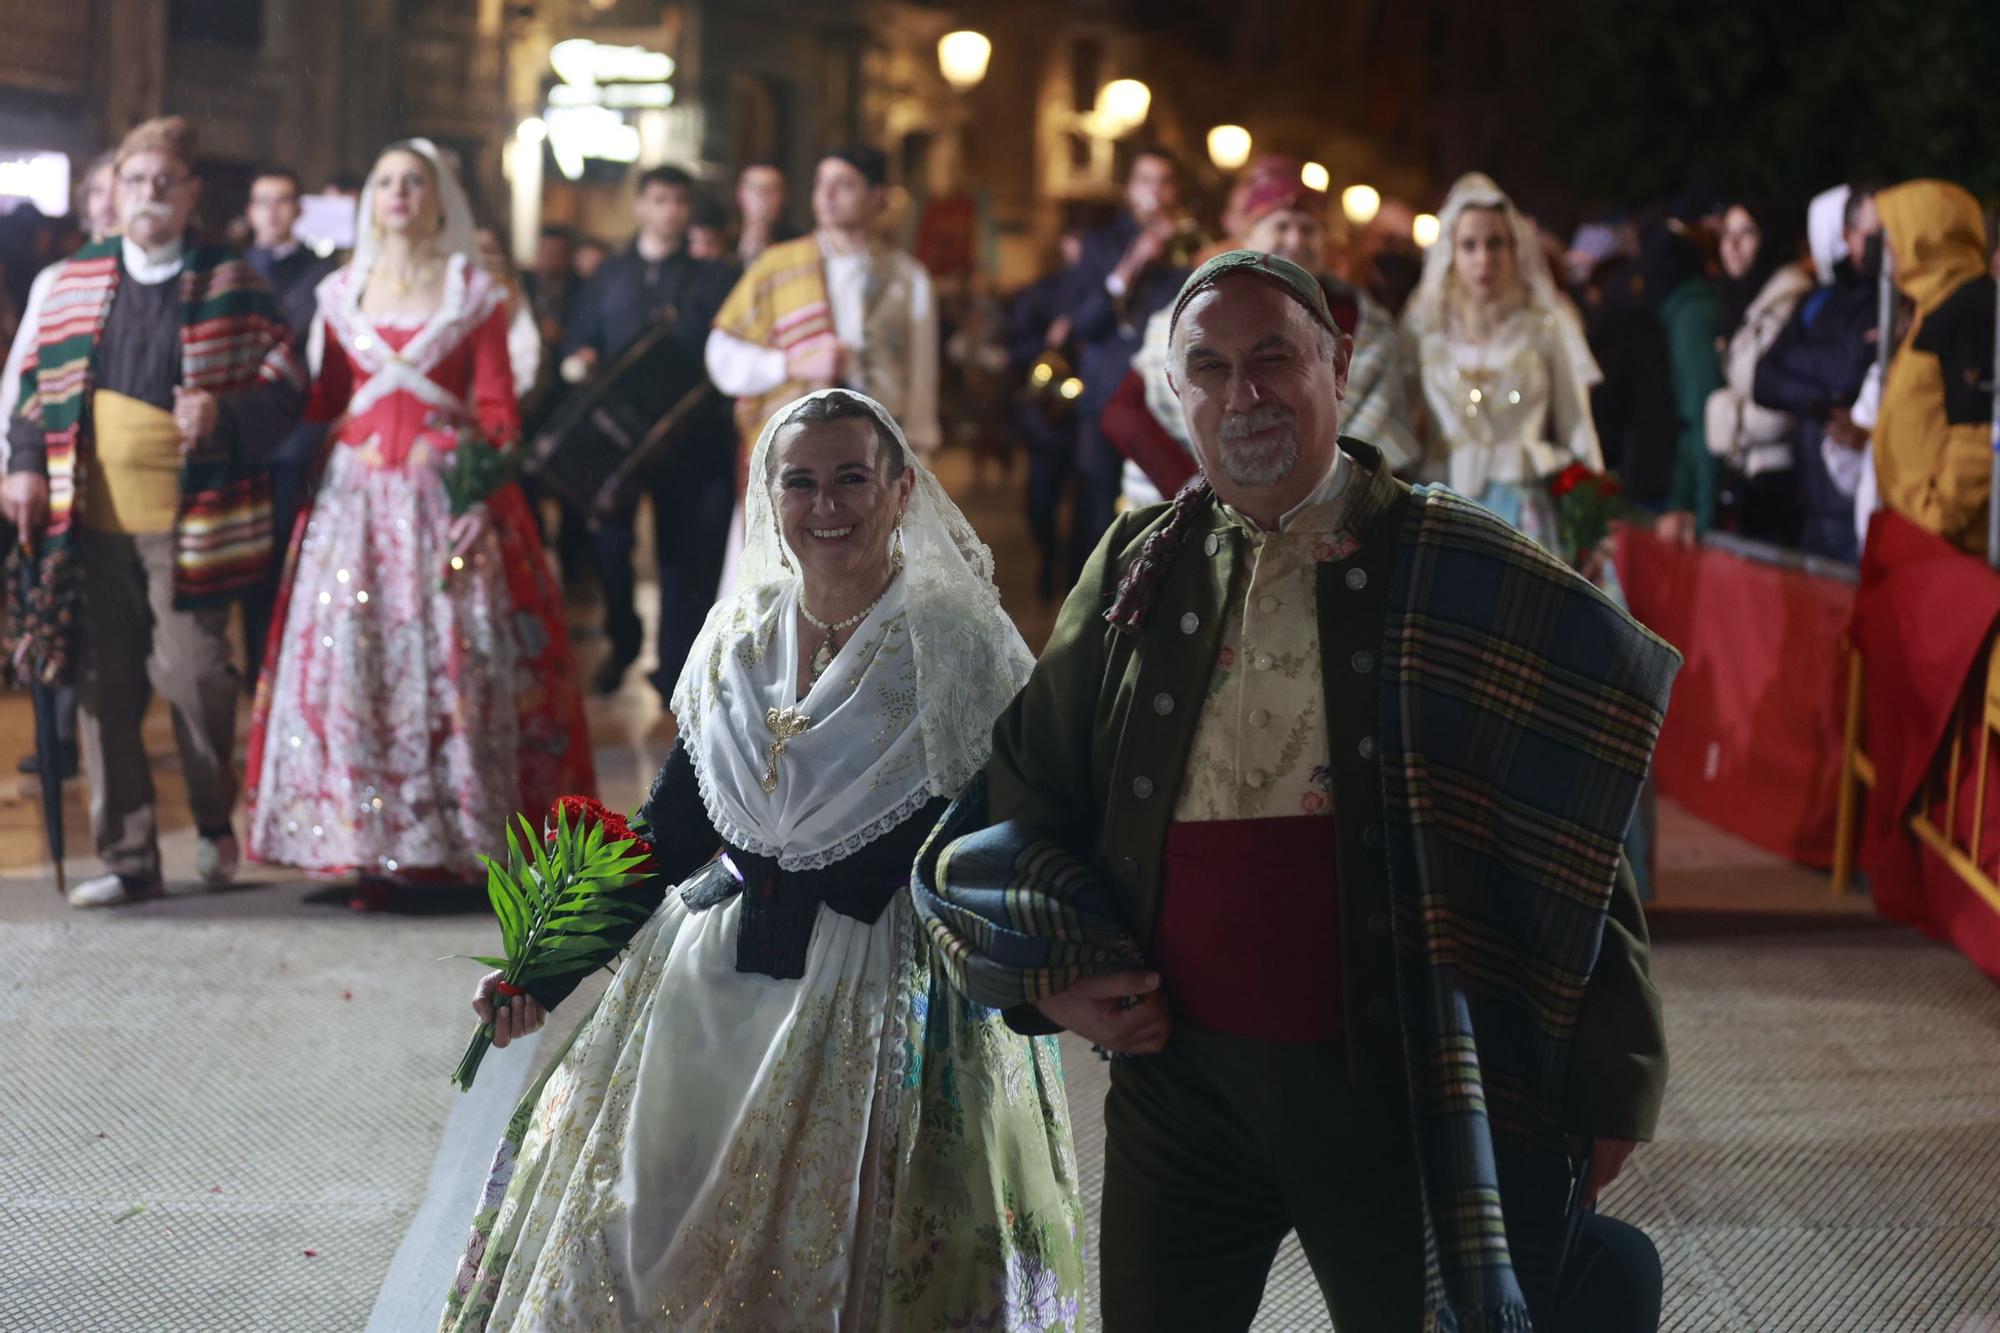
1219,1146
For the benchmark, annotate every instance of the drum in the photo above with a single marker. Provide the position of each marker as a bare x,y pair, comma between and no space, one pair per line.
613,429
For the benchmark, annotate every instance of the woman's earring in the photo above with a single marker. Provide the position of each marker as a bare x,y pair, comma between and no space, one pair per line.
896,552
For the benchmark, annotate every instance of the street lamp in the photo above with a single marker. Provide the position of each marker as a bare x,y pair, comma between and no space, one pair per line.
1229,146
962,58
1360,203
1424,229
1315,177
1122,106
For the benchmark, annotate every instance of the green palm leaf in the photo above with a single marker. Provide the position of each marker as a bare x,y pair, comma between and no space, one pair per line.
556,901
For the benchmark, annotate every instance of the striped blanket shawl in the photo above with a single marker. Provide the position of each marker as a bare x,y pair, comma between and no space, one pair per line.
1519,711
232,339
779,302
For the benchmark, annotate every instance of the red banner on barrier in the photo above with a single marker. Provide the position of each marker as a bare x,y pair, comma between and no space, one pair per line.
1752,739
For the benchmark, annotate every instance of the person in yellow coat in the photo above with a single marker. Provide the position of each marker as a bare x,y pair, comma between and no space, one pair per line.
1934,431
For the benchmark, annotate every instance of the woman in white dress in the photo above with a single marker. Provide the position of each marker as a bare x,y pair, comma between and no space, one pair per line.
1505,367
779,1115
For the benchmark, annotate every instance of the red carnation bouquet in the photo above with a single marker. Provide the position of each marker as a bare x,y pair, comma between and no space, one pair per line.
1587,503
557,902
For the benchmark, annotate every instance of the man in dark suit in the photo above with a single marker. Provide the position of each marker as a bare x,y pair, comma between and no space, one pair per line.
656,281
1128,270
293,273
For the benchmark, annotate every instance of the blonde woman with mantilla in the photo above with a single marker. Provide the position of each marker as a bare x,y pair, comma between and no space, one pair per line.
1505,369
780,1116
418,687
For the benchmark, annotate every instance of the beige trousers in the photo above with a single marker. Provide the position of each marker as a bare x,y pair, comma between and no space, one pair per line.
133,638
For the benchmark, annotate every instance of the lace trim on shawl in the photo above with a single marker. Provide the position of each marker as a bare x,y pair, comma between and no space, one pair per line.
738,836
964,680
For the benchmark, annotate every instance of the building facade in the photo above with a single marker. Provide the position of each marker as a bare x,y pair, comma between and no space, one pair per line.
317,87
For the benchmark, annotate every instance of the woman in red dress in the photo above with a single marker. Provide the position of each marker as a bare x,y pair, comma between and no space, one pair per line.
418,688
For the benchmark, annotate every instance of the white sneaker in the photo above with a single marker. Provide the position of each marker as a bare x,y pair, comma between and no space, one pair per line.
216,859
112,891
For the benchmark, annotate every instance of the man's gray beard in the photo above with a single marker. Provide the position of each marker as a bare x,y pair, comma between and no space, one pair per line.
149,212
1267,468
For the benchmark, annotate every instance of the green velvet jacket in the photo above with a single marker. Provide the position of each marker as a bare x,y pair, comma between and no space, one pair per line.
1091,752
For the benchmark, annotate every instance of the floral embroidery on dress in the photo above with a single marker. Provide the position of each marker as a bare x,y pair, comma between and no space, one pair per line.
940,1092
1329,550
1260,742
404,715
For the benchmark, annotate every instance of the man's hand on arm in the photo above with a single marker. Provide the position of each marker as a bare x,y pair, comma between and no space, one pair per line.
1123,1012
579,365
1145,248
196,413
815,362
24,498
1607,1159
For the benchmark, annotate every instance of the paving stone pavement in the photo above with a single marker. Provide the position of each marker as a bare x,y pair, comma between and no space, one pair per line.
215,1122
220,1112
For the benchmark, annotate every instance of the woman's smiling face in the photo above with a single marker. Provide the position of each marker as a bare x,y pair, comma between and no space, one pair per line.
838,498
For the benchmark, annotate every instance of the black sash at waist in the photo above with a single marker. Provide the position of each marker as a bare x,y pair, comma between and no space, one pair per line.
780,907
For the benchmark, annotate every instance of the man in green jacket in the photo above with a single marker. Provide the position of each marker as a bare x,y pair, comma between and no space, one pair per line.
1347,765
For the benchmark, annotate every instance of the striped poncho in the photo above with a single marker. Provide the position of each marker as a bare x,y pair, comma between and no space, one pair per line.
1519,708
780,302
232,340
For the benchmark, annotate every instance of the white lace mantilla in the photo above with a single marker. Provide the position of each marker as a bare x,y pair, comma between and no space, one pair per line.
904,713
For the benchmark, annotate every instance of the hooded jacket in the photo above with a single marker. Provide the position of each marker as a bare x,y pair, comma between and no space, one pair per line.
1933,435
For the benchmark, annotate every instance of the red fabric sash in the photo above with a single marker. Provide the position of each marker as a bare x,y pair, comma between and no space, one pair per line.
1248,934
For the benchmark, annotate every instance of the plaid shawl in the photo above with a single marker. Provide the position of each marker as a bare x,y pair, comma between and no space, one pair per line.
232,339
1519,711
1013,917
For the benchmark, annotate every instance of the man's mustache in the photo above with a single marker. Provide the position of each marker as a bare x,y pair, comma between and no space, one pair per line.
148,213
1239,424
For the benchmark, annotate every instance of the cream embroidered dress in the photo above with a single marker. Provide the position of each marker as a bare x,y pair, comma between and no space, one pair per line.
779,1116
1509,404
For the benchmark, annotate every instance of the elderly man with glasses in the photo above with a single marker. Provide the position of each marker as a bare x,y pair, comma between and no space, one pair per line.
161,376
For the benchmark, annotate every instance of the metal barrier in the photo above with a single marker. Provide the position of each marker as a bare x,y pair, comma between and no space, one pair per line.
1971,737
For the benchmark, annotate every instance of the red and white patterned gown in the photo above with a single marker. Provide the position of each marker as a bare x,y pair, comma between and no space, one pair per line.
405,713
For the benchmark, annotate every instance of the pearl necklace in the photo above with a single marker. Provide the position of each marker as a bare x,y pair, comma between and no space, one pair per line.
822,657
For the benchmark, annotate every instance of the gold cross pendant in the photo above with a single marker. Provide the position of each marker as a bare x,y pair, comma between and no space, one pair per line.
785,724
